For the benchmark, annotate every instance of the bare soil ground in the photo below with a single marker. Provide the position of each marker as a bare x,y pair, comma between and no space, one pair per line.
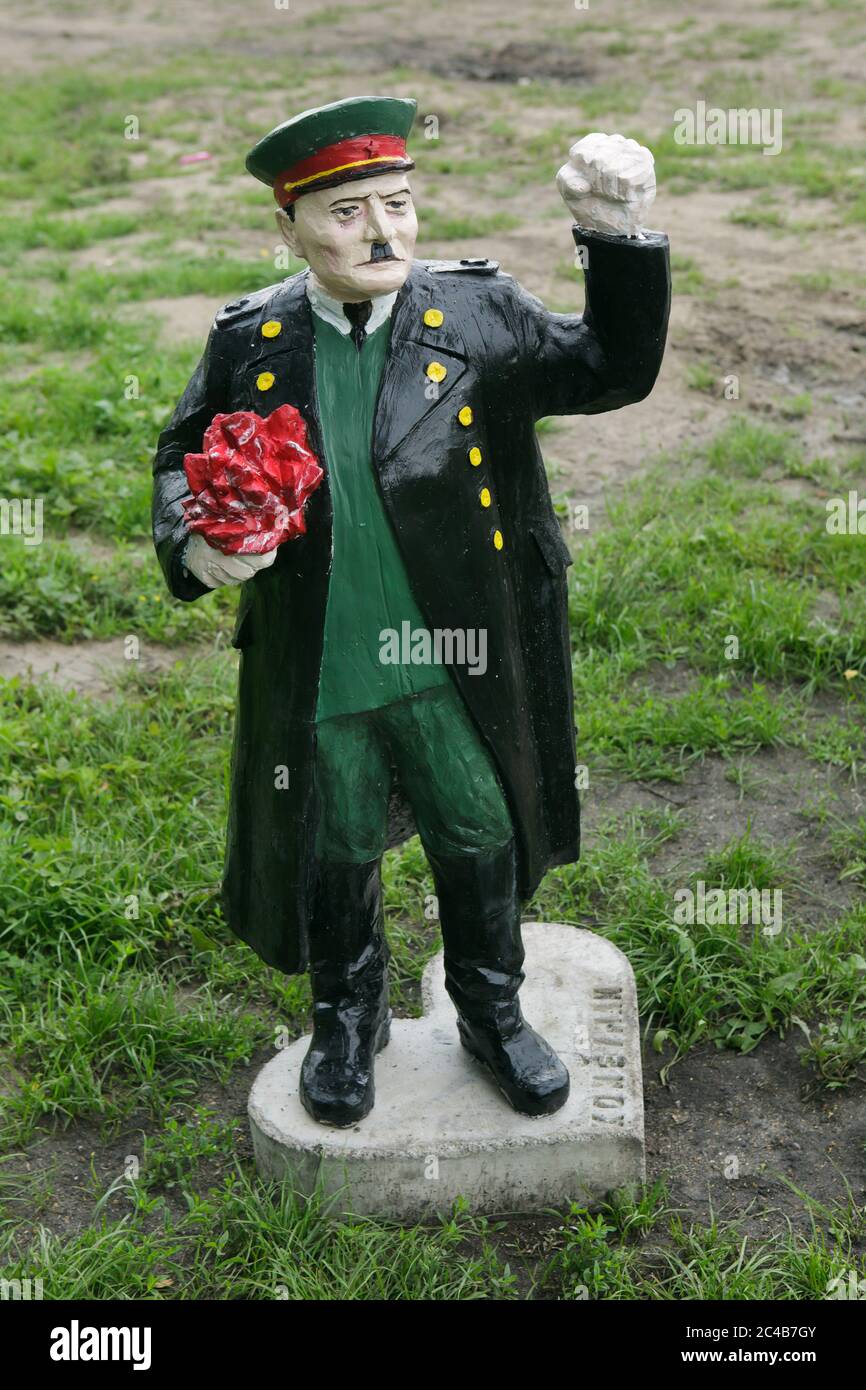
91,668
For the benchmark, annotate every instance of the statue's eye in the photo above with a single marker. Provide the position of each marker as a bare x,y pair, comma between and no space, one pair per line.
346,214
398,204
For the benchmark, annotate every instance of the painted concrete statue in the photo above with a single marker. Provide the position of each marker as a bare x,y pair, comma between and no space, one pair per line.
407,646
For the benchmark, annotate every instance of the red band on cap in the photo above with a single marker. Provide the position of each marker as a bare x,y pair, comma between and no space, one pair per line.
343,156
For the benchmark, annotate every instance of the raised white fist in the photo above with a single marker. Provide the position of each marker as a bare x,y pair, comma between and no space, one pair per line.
608,184
213,568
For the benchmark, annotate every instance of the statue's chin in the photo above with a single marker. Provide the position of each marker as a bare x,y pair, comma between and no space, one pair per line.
382,278
366,282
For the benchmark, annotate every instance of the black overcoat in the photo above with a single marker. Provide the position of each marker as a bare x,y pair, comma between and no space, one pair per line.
511,362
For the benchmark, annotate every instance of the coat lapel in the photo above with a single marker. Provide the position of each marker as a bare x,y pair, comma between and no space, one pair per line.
280,369
408,393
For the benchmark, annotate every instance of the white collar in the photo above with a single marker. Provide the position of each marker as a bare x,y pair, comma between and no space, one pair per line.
331,310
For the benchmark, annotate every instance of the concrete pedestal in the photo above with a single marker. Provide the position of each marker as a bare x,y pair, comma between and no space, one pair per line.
440,1129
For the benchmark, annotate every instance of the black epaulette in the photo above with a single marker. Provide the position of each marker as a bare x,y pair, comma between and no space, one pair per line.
240,309
477,265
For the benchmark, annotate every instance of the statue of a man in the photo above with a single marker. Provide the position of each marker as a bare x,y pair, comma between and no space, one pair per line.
412,647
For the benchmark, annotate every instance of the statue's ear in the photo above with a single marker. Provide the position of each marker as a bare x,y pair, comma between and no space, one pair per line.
288,231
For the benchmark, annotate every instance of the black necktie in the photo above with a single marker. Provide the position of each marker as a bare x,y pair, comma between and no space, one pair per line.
358,315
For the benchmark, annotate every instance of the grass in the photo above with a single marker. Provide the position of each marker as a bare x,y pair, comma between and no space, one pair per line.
19,234
100,1042
92,108
684,567
702,376
247,1240
250,1240
636,1247
687,276
812,165
439,228
715,983
60,590
759,215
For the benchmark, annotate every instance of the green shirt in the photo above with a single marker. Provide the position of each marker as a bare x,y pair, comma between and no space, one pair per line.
369,593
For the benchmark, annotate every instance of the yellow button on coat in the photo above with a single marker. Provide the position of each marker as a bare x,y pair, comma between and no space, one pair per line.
474,456
498,540
484,497
465,415
272,328
265,381
436,372
434,318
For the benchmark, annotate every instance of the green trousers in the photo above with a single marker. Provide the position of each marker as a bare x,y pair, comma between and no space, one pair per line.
442,766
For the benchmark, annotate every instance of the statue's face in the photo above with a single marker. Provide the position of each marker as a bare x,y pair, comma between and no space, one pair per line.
358,238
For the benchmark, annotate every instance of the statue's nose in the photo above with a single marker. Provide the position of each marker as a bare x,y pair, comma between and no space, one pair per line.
378,223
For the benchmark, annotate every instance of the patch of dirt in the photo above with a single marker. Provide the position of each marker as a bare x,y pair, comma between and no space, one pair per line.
65,361
517,62
90,668
174,192
89,546
737,1133
774,803
189,316
79,1163
122,253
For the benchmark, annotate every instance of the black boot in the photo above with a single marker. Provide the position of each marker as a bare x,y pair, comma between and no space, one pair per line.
479,910
349,979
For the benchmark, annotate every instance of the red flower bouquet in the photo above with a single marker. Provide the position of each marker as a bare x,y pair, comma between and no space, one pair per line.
251,482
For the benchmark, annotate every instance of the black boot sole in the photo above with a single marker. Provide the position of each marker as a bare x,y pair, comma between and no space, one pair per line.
522,1101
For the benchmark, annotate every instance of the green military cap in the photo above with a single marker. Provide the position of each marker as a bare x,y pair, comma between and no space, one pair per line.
331,144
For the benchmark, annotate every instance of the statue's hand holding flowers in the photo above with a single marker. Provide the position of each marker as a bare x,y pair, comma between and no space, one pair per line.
249,487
